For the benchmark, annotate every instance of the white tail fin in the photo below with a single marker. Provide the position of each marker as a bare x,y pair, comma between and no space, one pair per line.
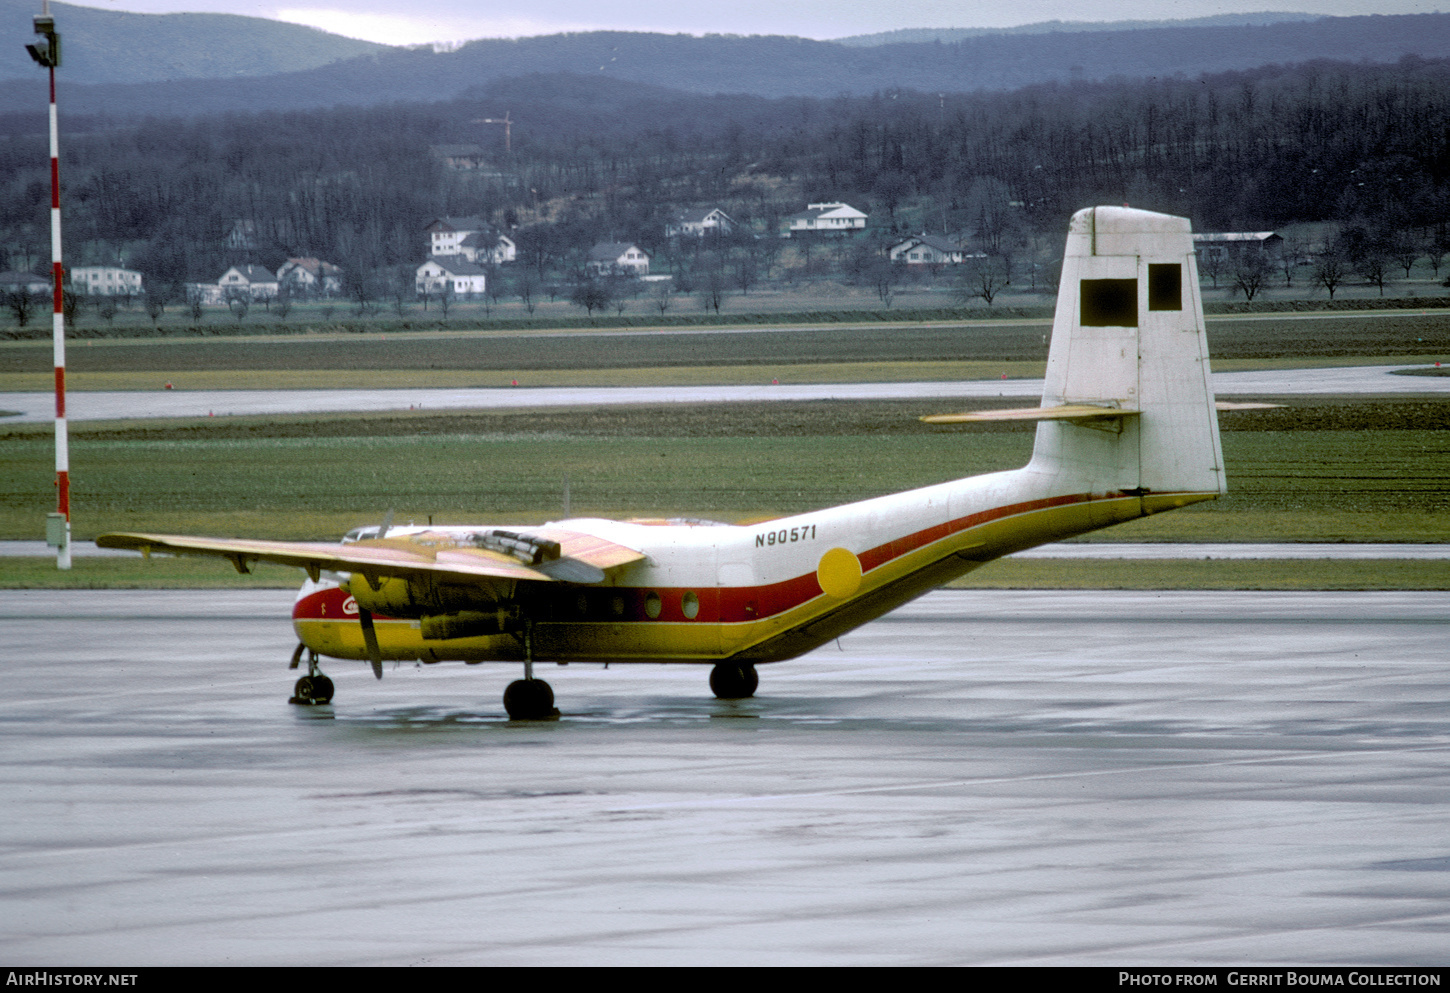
1129,334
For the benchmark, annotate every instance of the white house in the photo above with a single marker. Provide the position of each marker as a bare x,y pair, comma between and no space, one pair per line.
105,281
929,249
1221,244
825,218
699,222
618,258
310,277
251,281
23,282
451,273
471,238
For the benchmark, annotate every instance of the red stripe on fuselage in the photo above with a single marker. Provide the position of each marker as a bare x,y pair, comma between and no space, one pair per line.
737,604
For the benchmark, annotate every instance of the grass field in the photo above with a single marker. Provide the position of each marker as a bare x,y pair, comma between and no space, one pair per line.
1326,471
1391,336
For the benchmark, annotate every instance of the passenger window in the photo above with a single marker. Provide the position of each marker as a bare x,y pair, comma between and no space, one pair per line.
1109,303
1165,286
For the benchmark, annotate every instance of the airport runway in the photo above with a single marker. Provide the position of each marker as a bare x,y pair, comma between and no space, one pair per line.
984,777
101,405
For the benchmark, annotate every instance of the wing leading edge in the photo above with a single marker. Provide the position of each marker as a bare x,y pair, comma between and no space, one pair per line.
567,556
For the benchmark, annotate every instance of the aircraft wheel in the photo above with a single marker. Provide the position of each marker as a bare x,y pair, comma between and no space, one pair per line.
321,689
731,681
529,700
312,689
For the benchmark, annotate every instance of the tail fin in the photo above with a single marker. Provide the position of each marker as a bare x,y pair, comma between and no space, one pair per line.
1129,334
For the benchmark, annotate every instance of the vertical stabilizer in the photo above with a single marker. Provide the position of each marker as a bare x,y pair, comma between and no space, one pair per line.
1129,333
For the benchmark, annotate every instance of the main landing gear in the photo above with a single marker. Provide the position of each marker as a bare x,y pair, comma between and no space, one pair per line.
314,687
529,699
734,681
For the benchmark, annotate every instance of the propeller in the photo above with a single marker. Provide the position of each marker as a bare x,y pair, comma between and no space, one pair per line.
365,616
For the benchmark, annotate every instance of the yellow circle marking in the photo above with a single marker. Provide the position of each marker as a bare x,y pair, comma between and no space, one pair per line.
839,573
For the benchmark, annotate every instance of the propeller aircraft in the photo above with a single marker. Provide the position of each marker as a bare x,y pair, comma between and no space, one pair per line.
1127,427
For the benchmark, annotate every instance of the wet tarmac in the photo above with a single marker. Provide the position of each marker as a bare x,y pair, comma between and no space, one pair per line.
981,777
102,405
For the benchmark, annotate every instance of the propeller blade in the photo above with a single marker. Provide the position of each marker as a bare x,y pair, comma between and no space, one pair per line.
370,637
387,524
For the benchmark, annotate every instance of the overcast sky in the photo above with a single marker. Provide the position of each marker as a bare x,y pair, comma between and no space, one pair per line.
404,22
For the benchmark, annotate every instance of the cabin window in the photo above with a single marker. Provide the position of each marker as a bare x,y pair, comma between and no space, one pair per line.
1109,303
1165,286
652,605
690,605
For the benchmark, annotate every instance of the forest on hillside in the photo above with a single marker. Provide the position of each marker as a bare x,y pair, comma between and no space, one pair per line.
1364,145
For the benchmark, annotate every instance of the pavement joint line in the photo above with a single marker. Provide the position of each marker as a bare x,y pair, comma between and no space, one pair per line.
1043,777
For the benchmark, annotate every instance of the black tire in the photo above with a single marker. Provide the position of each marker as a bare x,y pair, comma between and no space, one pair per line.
732,681
529,700
303,690
321,689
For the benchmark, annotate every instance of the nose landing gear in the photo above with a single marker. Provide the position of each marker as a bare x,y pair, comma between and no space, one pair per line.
313,688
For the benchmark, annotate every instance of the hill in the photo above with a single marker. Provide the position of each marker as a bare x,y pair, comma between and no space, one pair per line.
914,35
105,47
771,66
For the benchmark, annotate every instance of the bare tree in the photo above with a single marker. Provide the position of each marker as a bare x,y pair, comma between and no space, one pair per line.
526,285
1331,269
21,303
1374,267
1250,272
156,303
591,294
981,277
195,303
711,288
1405,252
1213,264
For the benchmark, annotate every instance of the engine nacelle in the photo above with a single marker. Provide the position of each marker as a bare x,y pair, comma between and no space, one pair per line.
468,624
421,596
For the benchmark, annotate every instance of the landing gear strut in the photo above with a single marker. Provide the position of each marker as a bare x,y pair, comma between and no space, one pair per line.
314,687
734,681
529,699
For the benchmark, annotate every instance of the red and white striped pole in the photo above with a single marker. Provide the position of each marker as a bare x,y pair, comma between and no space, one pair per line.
57,530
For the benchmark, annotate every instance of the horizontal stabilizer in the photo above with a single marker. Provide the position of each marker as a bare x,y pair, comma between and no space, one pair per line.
1069,412
1061,412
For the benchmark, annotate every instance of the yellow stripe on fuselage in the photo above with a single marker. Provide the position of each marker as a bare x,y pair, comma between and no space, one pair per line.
782,635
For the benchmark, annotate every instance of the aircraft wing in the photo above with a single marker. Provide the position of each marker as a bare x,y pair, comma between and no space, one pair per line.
376,558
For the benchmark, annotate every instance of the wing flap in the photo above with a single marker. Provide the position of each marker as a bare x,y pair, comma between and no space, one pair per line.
599,552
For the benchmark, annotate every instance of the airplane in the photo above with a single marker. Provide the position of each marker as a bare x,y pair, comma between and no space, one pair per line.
1127,427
